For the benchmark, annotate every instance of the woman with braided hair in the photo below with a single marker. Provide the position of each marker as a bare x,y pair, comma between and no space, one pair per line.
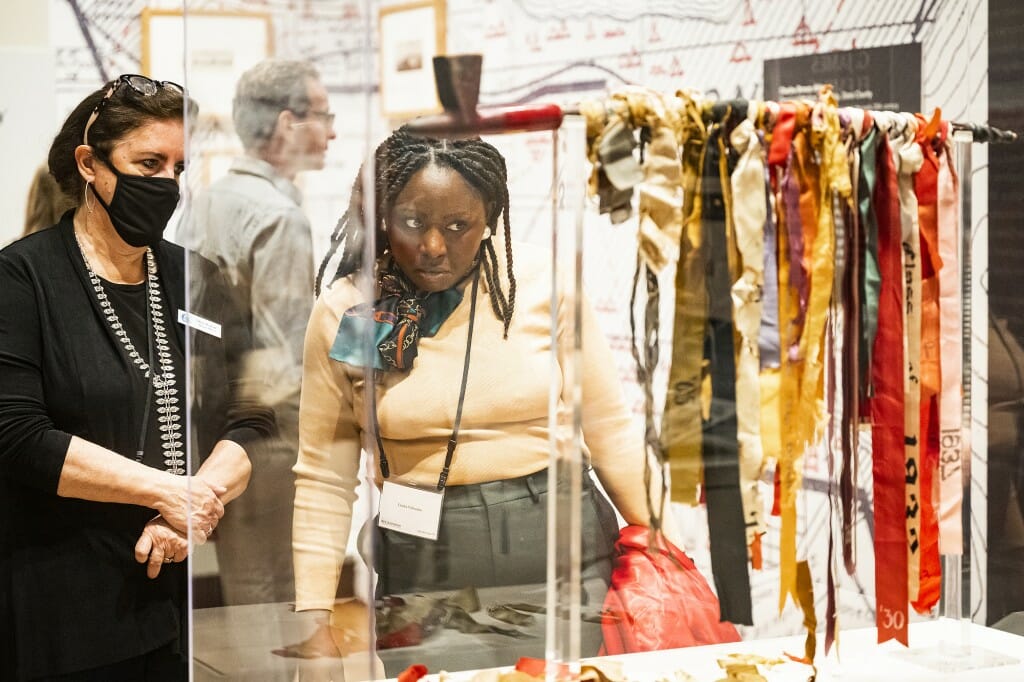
458,424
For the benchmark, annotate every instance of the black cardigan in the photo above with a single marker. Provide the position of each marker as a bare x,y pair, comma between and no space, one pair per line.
72,595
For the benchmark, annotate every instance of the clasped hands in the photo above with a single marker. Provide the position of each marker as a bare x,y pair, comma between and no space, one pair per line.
187,504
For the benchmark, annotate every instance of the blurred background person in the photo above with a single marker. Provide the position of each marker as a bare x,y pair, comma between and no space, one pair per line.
46,203
251,224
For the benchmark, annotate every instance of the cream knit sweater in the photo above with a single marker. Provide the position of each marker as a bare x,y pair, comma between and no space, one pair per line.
504,431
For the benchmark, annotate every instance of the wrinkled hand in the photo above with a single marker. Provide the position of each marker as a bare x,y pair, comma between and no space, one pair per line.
192,502
160,544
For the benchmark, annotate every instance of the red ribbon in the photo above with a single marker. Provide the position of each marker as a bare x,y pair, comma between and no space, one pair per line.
782,136
926,189
887,407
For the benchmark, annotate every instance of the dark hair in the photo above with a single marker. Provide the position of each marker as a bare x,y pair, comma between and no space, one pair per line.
263,92
396,160
124,112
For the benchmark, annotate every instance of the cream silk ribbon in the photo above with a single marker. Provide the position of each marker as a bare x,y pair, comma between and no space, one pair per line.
749,212
661,190
952,431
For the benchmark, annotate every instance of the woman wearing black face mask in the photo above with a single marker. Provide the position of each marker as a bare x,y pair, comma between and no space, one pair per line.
97,509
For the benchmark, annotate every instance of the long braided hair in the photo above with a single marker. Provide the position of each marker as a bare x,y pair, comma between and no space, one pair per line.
396,160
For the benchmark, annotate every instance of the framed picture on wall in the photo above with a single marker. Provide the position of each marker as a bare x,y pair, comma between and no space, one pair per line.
411,34
221,45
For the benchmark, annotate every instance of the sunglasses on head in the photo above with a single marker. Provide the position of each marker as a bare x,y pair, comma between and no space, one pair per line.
140,85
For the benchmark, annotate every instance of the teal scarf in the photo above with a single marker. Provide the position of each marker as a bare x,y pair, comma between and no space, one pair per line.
395,321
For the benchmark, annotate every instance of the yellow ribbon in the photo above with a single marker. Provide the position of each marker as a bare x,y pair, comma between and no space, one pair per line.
681,419
801,389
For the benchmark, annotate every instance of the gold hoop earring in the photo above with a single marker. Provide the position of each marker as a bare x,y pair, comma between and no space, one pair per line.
88,206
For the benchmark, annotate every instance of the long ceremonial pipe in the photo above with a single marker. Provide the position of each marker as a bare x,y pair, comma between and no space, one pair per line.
458,88
489,121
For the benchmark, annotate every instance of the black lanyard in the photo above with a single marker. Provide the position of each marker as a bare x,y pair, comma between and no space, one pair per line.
453,440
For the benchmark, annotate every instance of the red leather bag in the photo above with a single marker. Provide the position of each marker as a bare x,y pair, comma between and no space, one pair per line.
658,599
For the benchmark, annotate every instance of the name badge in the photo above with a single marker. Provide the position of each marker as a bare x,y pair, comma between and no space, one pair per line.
196,322
410,510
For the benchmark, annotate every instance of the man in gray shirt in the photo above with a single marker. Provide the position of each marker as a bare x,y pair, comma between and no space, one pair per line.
250,223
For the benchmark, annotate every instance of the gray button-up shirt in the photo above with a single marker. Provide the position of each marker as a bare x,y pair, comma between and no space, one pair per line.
250,223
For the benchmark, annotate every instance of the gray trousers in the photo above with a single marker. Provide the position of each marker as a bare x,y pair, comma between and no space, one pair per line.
254,538
495,535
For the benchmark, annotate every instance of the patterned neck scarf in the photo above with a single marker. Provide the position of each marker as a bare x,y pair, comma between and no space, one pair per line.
395,321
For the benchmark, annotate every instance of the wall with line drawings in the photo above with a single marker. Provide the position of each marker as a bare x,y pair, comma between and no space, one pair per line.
567,50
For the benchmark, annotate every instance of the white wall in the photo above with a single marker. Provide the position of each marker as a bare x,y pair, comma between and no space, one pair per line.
27,105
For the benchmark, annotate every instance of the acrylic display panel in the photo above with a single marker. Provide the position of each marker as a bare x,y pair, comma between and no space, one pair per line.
266,227
608,258
272,157
255,262
450,602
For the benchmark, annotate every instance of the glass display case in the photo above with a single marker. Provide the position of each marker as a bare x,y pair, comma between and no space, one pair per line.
393,276
646,338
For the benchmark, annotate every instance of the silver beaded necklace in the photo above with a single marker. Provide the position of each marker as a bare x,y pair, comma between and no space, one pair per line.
163,381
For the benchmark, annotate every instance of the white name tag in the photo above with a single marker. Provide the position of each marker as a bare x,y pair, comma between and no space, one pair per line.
414,511
196,322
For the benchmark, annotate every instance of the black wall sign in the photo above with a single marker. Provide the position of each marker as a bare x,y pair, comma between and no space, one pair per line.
871,78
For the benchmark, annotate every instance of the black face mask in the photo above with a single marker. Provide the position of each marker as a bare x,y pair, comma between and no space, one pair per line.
140,207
